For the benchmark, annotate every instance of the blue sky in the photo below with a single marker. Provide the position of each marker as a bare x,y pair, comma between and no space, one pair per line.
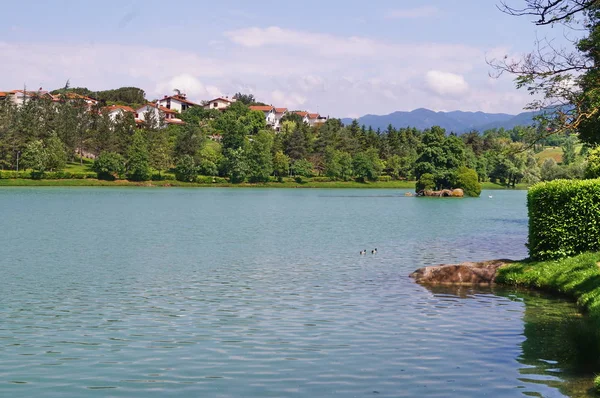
340,58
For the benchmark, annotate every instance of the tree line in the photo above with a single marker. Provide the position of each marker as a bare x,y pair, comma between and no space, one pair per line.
236,144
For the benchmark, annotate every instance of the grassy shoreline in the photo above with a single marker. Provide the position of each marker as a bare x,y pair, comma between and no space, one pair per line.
20,182
575,277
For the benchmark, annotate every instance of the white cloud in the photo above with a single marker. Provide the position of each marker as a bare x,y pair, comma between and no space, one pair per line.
418,12
446,83
329,74
188,84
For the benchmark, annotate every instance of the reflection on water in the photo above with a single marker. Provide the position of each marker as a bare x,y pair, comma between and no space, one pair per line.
260,292
561,348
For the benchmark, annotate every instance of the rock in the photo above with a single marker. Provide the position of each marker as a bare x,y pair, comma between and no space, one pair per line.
458,193
444,193
482,273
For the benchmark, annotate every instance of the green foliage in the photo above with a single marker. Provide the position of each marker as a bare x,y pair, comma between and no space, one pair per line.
56,155
260,161
367,165
281,165
109,166
246,99
597,383
302,168
426,183
186,169
35,156
466,179
236,165
593,164
138,166
577,277
208,158
564,218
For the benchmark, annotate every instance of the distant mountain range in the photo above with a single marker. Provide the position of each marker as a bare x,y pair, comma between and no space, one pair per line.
457,121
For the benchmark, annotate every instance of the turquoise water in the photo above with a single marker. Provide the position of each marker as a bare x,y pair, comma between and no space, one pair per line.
243,292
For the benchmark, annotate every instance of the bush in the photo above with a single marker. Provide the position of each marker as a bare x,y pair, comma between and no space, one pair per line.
109,166
11,174
186,169
467,179
385,178
564,218
592,169
426,182
322,179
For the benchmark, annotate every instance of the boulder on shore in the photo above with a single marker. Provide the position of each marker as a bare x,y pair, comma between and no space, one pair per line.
469,273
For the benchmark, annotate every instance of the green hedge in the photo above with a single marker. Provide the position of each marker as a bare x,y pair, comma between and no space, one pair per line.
564,218
48,175
10,174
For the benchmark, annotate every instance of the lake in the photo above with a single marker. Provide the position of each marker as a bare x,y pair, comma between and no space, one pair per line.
262,293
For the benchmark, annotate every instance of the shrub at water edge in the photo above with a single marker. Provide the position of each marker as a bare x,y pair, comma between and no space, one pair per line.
564,218
426,182
109,166
467,180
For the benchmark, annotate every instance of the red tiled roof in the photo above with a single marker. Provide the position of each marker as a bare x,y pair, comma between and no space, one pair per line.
122,107
221,99
264,108
313,115
75,96
180,99
160,107
281,110
3,94
302,114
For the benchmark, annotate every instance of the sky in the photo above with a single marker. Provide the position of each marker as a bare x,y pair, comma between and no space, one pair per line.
341,58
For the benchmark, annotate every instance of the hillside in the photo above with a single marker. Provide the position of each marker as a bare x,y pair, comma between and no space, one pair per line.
456,121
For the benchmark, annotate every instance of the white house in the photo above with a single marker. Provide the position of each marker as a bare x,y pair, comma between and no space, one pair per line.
115,110
75,97
18,97
177,102
303,115
269,112
315,118
279,114
219,103
169,115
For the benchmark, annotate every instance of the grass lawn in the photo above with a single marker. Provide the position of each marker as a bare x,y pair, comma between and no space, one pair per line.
289,183
550,152
172,183
76,167
577,277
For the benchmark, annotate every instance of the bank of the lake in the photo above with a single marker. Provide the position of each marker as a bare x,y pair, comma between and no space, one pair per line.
91,182
576,277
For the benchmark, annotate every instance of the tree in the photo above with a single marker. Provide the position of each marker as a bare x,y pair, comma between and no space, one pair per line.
35,157
160,153
593,164
281,165
302,168
186,169
367,165
568,149
109,166
425,183
467,180
236,165
564,81
138,167
246,99
56,155
260,162
208,158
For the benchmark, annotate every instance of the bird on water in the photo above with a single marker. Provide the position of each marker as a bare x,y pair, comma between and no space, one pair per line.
374,251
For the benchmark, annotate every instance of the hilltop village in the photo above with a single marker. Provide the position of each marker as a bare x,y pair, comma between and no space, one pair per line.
168,108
